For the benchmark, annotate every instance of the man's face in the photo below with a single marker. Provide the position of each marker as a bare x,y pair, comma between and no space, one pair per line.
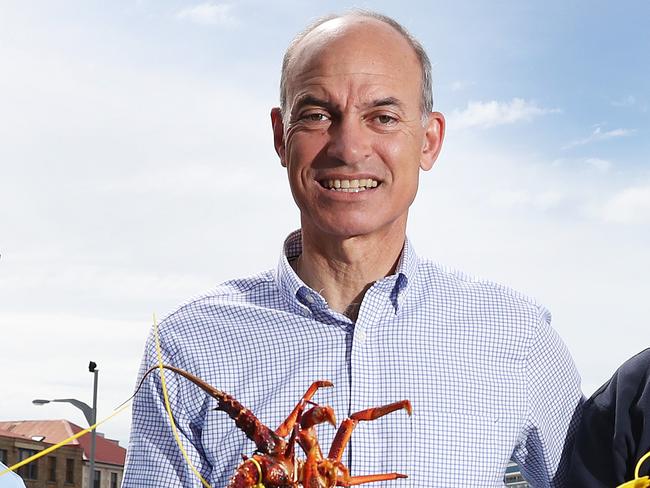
355,142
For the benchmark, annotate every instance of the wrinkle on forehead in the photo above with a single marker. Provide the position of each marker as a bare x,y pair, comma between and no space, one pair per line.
316,74
364,97
338,81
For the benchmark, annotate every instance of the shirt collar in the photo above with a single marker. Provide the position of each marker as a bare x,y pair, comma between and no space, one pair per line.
294,290
289,284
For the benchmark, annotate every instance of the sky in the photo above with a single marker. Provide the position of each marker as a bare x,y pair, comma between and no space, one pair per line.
137,169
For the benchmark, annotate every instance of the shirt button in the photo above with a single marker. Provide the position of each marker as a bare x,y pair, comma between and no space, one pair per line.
360,335
310,298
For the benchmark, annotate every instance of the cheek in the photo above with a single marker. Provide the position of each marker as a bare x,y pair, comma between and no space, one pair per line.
301,152
303,144
401,157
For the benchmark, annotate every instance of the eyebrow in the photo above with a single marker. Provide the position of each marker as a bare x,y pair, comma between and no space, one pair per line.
312,100
319,102
383,102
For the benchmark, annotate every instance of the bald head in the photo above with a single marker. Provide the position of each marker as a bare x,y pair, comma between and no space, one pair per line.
333,28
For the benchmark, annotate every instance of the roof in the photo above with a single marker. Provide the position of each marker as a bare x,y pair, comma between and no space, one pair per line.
15,435
107,451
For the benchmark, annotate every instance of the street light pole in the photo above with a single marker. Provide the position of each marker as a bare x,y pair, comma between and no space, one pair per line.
89,413
84,407
92,367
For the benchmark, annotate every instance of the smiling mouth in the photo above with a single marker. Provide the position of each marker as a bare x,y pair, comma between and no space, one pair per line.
350,186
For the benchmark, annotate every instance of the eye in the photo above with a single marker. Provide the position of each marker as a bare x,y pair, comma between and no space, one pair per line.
386,120
315,117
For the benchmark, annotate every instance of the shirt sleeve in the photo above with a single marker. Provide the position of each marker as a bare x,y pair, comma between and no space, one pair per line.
554,399
154,458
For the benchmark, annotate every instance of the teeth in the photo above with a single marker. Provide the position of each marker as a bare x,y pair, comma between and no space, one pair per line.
348,186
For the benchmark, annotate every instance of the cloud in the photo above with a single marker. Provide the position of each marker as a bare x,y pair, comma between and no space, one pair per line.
601,165
209,13
599,135
630,206
461,85
526,200
493,113
628,101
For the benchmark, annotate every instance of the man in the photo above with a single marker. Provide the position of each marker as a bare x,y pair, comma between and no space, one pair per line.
351,302
614,432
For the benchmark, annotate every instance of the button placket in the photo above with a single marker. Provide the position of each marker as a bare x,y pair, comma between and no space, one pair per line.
360,335
364,376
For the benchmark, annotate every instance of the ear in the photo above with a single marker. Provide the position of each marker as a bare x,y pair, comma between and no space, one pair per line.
433,135
278,133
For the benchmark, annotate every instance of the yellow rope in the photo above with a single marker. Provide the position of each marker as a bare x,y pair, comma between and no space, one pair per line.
62,443
638,465
168,407
259,470
638,482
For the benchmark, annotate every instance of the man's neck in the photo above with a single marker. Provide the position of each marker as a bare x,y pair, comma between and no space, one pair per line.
342,269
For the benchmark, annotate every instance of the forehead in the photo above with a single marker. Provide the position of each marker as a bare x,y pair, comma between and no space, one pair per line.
363,50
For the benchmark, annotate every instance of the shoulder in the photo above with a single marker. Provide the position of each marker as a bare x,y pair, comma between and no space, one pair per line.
629,384
251,291
637,366
473,291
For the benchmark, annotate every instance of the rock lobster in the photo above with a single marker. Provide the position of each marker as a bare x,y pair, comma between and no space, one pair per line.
275,463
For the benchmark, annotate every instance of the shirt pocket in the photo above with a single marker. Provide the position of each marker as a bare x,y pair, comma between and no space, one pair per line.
463,447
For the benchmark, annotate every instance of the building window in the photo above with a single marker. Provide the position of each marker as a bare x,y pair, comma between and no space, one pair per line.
69,471
28,471
513,477
3,456
51,468
114,480
98,479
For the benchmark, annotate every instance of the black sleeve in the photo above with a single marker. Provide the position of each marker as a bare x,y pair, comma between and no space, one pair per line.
615,429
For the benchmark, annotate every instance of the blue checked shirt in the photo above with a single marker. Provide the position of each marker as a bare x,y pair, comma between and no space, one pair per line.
488,378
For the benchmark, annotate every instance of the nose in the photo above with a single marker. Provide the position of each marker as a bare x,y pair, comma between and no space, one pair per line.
349,141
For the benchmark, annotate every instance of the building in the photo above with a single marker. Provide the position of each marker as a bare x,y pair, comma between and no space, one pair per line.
59,469
109,455
513,477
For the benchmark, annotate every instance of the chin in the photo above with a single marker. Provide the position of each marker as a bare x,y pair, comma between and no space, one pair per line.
343,228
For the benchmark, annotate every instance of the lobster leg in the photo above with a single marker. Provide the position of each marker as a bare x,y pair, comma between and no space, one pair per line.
318,472
370,478
304,432
342,437
307,437
286,426
317,415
